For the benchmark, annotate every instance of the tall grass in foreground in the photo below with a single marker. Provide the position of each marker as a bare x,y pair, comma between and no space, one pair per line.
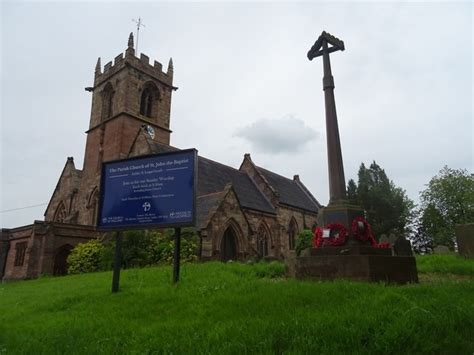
232,308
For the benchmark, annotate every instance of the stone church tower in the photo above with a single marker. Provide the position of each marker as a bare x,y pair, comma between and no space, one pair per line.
127,94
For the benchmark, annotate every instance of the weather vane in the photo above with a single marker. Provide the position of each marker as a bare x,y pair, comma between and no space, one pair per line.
139,23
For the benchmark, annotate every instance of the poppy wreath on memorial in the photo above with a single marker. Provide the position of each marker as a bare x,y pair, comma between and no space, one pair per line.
317,237
367,235
335,228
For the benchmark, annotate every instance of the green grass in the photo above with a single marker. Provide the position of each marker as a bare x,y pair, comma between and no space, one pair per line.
445,264
233,309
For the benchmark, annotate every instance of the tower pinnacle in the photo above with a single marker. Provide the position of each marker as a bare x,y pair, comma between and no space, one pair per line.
170,66
98,66
130,50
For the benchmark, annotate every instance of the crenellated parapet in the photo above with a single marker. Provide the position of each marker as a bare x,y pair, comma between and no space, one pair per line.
140,64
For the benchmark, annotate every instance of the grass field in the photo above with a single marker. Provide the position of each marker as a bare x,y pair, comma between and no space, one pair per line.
237,309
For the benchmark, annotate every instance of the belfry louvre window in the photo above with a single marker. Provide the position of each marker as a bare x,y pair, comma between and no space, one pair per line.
146,104
107,101
20,251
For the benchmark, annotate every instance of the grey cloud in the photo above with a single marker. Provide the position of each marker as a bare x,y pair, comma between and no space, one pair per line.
285,135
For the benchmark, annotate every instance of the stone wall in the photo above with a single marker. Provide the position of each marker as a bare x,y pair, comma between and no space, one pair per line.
228,215
43,240
65,192
303,220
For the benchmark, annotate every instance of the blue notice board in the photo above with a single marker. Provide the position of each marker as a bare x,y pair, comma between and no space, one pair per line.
150,191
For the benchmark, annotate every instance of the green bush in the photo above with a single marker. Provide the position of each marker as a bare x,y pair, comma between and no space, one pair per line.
86,257
303,241
144,248
162,248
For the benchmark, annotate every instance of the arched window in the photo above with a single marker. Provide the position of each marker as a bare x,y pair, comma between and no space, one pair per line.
60,214
107,101
229,245
230,242
92,205
146,103
149,97
292,232
262,241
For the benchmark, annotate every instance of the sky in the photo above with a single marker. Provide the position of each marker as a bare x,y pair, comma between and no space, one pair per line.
404,87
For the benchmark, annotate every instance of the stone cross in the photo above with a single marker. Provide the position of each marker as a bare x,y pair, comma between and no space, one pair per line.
337,183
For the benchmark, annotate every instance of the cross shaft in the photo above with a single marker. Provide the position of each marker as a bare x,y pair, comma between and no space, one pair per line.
337,184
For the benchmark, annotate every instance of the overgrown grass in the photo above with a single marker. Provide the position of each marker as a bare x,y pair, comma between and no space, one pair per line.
445,264
232,308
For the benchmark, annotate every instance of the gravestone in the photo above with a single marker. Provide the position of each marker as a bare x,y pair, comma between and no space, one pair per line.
441,249
392,238
465,239
402,247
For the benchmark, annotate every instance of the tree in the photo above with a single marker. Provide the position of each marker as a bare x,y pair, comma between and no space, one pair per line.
387,207
422,242
448,200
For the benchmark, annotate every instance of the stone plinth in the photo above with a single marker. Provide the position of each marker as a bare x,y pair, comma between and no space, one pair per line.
341,213
350,250
360,263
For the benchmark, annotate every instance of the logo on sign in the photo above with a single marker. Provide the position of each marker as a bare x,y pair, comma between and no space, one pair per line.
146,206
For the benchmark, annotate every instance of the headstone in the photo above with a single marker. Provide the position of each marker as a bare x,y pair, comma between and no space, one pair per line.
392,238
402,247
465,239
441,249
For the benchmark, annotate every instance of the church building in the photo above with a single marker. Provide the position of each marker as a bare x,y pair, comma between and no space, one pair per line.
242,212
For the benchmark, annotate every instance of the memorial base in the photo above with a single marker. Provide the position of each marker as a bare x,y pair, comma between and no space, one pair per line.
361,263
341,213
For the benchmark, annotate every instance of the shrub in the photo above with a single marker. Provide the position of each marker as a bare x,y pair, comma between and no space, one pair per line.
162,247
86,257
143,248
303,240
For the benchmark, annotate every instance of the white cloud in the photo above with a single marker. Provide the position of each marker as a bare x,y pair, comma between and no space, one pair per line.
273,136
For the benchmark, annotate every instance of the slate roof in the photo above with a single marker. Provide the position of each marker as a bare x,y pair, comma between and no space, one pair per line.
207,204
291,192
214,176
